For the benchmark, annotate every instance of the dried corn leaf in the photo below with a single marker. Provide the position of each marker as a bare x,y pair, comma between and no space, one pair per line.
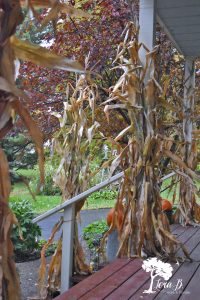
11,88
1,278
5,186
35,134
55,268
6,220
122,133
181,164
133,89
42,270
42,56
6,115
112,106
5,85
91,131
150,94
11,16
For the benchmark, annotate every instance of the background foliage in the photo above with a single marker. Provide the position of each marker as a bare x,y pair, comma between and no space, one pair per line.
26,236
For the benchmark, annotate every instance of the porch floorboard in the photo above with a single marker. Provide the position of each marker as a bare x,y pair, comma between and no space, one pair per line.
125,279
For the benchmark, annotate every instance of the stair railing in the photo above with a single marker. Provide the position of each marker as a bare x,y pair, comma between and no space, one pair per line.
68,226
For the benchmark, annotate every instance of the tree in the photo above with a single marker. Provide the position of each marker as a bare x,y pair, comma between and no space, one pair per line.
157,268
20,152
98,35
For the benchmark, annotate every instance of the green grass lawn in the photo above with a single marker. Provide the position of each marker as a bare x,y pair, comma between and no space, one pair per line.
40,205
101,199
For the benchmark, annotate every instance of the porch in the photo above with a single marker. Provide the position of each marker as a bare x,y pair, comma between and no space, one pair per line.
125,279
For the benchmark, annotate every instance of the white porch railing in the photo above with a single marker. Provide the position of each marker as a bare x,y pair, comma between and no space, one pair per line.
68,226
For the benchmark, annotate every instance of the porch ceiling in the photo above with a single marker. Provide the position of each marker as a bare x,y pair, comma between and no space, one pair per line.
181,21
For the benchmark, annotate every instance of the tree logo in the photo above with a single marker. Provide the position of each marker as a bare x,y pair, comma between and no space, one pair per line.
157,268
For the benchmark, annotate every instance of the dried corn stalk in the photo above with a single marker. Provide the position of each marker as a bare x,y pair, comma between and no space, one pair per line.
145,227
188,210
182,110
72,143
10,96
10,17
71,148
9,282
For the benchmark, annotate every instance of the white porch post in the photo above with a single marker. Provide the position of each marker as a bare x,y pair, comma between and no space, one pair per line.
147,30
147,22
188,103
67,247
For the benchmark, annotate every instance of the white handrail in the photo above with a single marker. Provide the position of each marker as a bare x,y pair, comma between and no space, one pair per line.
78,197
85,195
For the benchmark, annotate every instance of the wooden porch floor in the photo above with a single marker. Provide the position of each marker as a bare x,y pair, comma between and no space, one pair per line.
125,279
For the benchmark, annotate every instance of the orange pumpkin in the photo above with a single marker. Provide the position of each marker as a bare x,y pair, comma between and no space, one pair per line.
110,217
166,205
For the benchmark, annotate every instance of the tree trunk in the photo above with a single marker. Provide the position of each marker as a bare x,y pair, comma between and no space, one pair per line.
150,290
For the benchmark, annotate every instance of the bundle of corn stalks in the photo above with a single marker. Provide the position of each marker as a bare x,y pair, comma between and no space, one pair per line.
178,119
188,210
71,148
12,102
144,227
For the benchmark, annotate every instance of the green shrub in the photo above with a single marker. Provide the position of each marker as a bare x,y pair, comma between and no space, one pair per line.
51,248
103,198
94,232
30,231
104,194
49,188
20,153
